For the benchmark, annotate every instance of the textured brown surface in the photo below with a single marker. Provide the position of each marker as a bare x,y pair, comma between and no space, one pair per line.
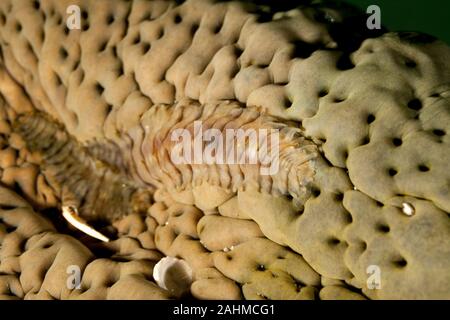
376,119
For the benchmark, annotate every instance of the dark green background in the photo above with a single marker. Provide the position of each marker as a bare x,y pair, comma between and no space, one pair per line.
429,16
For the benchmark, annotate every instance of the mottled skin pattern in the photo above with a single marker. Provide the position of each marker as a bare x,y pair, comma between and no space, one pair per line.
137,154
358,127
136,144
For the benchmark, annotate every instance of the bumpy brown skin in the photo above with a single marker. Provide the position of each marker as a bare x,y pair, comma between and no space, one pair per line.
379,114
210,53
131,55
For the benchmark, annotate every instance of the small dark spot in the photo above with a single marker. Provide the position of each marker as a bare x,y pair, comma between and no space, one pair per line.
397,142
370,118
178,213
415,104
287,103
348,217
423,168
137,39
63,53
30,48
261,267
289,197
145,47
401,263
18,27
194,28
298,285
99,88
315,192
410,63
217,29
392,172
161,78
103,46
16,187
108,109
333,241
435,95
10,229
363,245
66,30
365,140
262,66
85,27
229,257
438,132
82,75
345,154
7,207
339,196
323,93
379,204
238,51
383,228
76,65
114,51
36,5
58,80
120,70
338,100
109,19
177,19
22,246
46,246
84,14
161,33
